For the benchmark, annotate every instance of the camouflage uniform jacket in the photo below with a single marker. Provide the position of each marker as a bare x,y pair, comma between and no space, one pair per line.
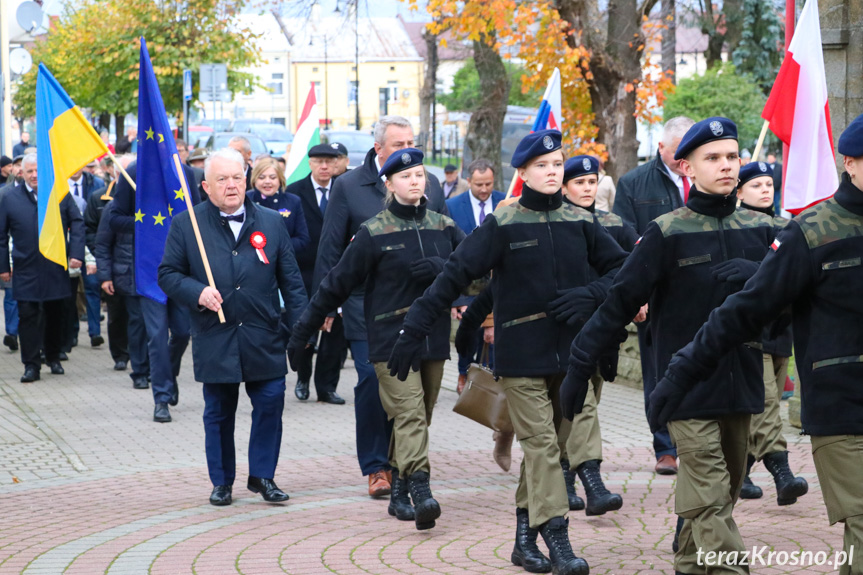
379,258
815,267
670,267
535,248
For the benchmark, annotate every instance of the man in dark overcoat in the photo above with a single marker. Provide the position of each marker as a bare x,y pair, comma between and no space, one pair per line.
40,285
253,261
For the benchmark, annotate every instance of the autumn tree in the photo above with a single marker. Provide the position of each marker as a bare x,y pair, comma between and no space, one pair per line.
466,92
759,52
93,50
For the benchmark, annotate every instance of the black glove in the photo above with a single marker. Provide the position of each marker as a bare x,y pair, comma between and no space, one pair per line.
608,366
734,270
406,355
464,336
573,391
664,401
296,345
573,306
427,269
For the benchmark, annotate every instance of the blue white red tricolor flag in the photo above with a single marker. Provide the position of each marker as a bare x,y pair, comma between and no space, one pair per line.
548,117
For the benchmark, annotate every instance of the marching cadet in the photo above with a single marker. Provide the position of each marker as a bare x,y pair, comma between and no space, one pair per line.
813,266
540,250
405,236
675,266
766,442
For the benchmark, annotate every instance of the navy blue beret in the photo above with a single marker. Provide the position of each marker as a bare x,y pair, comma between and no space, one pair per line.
324,151
706,131
851,140
754,170
535,144
580,166
401,160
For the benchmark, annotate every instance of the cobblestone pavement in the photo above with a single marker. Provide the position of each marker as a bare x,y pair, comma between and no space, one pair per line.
90,484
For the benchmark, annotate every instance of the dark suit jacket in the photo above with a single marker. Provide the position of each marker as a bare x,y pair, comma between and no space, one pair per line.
646,193
250,345
305,190
355,197
461,210
36,278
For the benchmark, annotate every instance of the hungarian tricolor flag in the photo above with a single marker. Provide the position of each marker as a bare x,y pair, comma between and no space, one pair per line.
308,135
548,117
799,115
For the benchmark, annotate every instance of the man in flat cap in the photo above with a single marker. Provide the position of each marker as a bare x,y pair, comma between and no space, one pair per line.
812,266
314,192
685,264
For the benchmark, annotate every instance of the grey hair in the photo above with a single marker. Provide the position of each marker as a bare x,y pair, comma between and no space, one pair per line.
29,159
245,144
385,122
229,154
676,128
479,165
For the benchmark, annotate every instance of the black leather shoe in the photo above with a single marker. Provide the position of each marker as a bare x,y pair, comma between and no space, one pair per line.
120,365
96,340
140,382
62,356
161,413
175,394
302,390
268,489
30,374
56,368
221,495
11,342
331,397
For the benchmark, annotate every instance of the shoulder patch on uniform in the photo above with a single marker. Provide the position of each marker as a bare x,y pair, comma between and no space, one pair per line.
386,223
609,220
828,222
686,221
436,221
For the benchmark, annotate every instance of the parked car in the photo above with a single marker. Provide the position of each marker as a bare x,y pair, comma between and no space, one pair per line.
357,143
277,137
197,133
220,125
243,124
220,140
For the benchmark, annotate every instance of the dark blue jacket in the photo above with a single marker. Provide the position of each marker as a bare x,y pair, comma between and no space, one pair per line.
250,345
461,210
291,209
646,193
355,197
114,255
36,278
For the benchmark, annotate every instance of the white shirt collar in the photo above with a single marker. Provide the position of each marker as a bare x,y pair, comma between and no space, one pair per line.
475,201
378,166
242,210
676,178
317,185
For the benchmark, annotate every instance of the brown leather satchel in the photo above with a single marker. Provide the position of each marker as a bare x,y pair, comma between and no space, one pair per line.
483,399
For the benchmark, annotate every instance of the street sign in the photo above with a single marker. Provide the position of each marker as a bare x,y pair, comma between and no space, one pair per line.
213,77
187,85
220,96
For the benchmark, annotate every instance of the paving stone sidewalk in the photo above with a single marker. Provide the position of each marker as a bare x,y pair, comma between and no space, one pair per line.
90,484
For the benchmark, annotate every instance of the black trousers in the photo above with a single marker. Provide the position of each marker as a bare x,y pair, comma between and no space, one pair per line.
118,322
331,346
41,326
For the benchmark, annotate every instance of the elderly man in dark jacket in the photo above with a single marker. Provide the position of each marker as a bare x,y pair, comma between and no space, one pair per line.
357,196
644,194
116,264
256,262
40,285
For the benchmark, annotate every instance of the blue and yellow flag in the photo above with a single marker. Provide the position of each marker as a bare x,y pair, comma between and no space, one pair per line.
159,195
66,143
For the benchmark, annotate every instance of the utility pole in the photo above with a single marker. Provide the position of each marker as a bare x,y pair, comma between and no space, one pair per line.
357,59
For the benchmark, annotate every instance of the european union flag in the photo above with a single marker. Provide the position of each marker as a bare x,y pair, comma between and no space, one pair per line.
159,195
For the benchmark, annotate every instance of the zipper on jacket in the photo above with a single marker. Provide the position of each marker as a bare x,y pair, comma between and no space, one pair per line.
722,240
423,253
553,267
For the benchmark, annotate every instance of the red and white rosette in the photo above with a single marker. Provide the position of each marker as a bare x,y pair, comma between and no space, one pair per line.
259,242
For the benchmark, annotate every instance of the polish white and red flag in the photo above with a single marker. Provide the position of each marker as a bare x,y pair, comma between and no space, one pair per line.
548,117
799,115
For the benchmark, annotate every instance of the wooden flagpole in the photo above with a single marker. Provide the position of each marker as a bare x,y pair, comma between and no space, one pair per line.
760,143
196,229
123,170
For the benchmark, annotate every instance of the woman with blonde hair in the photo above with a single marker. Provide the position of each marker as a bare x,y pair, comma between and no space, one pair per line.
268,190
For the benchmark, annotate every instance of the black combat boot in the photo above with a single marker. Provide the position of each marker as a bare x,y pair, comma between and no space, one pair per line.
599,500
400,503
576,503
555,533
426,509
749,489
788,487
525,553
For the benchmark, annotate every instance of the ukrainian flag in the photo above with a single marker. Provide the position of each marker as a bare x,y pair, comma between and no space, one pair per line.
66,143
